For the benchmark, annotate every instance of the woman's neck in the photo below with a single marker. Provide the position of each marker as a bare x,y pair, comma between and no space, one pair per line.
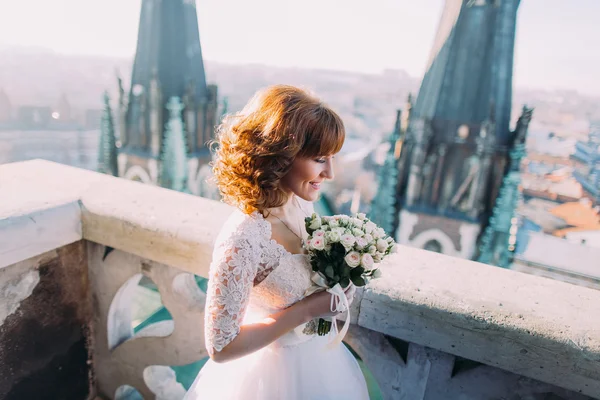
287,209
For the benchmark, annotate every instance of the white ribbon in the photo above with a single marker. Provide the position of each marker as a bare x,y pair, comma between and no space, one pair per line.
339,296
339,303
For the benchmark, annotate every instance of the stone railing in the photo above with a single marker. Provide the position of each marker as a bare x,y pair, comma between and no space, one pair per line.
74,246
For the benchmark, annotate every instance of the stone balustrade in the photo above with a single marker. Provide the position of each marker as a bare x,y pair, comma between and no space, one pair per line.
75,245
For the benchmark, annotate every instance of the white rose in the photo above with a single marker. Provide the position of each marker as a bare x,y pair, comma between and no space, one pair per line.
318,233
347,241
367,261
353,259
361,216
381,232
368,238
377,257
357,232
372,250
382,245
344,219
333,236
376,273
370,227
356,222
334,223
361,243
389,239
315,223
340,231
394,248
318,243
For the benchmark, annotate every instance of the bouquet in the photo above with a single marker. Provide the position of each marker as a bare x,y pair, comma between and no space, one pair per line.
344,250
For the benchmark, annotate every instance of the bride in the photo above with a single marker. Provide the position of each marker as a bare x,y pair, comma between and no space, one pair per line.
271,160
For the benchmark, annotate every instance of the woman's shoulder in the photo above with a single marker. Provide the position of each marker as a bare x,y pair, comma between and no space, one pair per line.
242,227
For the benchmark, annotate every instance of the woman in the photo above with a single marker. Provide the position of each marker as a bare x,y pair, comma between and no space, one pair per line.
271,160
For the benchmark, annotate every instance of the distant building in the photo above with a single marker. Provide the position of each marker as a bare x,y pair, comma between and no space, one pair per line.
457,143
559,241
62,112
587,155
33,117
91,118
5,108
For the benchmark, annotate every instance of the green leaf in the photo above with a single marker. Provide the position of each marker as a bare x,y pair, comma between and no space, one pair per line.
356,272
358,281
329,271
344,282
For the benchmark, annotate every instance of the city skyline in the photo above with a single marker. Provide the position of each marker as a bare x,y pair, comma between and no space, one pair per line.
553,49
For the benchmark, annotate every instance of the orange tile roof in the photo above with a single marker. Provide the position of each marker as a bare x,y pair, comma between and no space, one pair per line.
577,214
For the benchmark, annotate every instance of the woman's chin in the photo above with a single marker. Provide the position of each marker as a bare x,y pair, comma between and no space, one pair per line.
311,195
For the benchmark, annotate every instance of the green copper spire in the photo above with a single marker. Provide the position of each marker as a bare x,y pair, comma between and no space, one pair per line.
107,152
173,160
225,107
384,205
498,242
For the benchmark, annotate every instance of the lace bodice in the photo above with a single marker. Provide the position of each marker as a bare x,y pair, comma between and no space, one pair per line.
250,270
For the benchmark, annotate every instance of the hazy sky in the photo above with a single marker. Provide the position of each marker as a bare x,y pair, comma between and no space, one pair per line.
558,41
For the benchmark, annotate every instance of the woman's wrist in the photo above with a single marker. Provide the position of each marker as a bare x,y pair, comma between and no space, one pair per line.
303,312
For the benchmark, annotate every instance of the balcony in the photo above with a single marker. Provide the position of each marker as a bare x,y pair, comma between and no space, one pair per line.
79,250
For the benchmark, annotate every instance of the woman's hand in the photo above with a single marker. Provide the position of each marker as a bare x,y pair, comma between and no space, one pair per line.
318,305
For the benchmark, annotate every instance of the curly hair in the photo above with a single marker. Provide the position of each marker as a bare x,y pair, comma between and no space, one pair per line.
257,146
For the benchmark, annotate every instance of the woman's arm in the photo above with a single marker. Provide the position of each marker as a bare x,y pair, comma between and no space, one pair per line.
255,336
231,280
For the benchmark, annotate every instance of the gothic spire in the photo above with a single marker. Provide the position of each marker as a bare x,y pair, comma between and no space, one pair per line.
383,206
499,239
107,154
173,160
470,65
168,57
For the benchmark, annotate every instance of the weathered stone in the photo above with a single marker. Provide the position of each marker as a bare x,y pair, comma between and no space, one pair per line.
172,228
534,327
45,349
133,354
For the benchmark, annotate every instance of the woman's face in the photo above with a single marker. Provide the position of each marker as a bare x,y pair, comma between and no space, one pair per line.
307,175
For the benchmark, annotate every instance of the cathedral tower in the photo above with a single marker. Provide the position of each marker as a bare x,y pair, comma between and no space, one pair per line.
458,139
168,64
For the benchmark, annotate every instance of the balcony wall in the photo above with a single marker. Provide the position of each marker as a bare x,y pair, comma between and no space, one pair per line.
75,244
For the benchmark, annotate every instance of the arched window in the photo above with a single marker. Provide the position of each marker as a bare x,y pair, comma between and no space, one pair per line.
433,245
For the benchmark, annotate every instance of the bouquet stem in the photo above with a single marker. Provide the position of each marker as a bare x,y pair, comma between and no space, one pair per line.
324,327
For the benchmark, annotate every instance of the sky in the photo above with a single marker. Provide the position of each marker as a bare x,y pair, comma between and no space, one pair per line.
558,41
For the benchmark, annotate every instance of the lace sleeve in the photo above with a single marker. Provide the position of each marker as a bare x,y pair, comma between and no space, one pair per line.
231,279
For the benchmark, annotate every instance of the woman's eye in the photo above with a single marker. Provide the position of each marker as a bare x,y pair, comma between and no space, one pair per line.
321,160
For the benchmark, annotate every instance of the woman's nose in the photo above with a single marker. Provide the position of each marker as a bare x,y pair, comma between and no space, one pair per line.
328,171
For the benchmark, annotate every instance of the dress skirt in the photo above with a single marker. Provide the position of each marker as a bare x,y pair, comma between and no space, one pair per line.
288,369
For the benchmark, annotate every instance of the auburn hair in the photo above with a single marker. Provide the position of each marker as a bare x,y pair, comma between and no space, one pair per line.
256,147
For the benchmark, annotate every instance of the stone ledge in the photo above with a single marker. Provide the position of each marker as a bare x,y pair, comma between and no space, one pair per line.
39,231
536,327
540,328
173,228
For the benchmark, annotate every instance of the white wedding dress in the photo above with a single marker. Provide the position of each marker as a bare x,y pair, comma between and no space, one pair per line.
252,276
